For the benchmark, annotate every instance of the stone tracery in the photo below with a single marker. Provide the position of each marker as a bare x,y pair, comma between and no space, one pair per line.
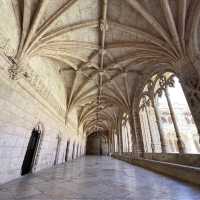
158,86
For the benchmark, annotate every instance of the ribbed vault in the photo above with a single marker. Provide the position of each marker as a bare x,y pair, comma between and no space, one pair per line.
102,49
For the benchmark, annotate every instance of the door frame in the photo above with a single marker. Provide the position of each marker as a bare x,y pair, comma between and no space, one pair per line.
59,140
40,129
67,151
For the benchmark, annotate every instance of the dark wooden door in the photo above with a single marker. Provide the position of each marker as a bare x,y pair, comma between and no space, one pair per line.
77,151
30,153
67,151
57,150
73,151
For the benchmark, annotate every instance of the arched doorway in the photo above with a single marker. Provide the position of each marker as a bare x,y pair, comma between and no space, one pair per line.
67,151
31,151
96,144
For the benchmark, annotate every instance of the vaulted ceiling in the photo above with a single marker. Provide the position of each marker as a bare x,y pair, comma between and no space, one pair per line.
102,48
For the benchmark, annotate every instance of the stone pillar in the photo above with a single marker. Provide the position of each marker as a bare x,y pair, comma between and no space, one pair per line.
149,125
190,82
119,143
128,142
133,137
142,124
159,124
109,146
120,136
138,131
137,144
179,142
113,142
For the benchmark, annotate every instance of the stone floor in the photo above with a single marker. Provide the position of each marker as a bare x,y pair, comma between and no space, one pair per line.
97,178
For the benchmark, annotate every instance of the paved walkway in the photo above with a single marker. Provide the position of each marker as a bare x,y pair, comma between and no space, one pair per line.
97,178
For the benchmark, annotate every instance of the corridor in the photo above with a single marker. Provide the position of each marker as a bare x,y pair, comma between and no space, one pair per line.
97,178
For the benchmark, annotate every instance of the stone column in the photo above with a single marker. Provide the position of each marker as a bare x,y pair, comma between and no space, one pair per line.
109,146
159,124
137,144
113,138
179,142
119,143
134,142
190,82
111,141
144,133
121,139
149,125
127,138
138,133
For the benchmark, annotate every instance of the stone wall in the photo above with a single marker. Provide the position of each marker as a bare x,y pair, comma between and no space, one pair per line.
183,159
21,110
176,158
183,172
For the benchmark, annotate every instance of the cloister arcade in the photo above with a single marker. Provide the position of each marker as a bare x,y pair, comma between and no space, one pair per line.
166,122
115,79
165,117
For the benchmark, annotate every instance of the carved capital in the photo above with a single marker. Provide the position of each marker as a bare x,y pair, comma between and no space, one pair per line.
124,74
103,25
16,70
163,82
102,51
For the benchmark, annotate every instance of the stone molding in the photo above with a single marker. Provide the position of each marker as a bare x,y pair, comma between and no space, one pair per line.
32,78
